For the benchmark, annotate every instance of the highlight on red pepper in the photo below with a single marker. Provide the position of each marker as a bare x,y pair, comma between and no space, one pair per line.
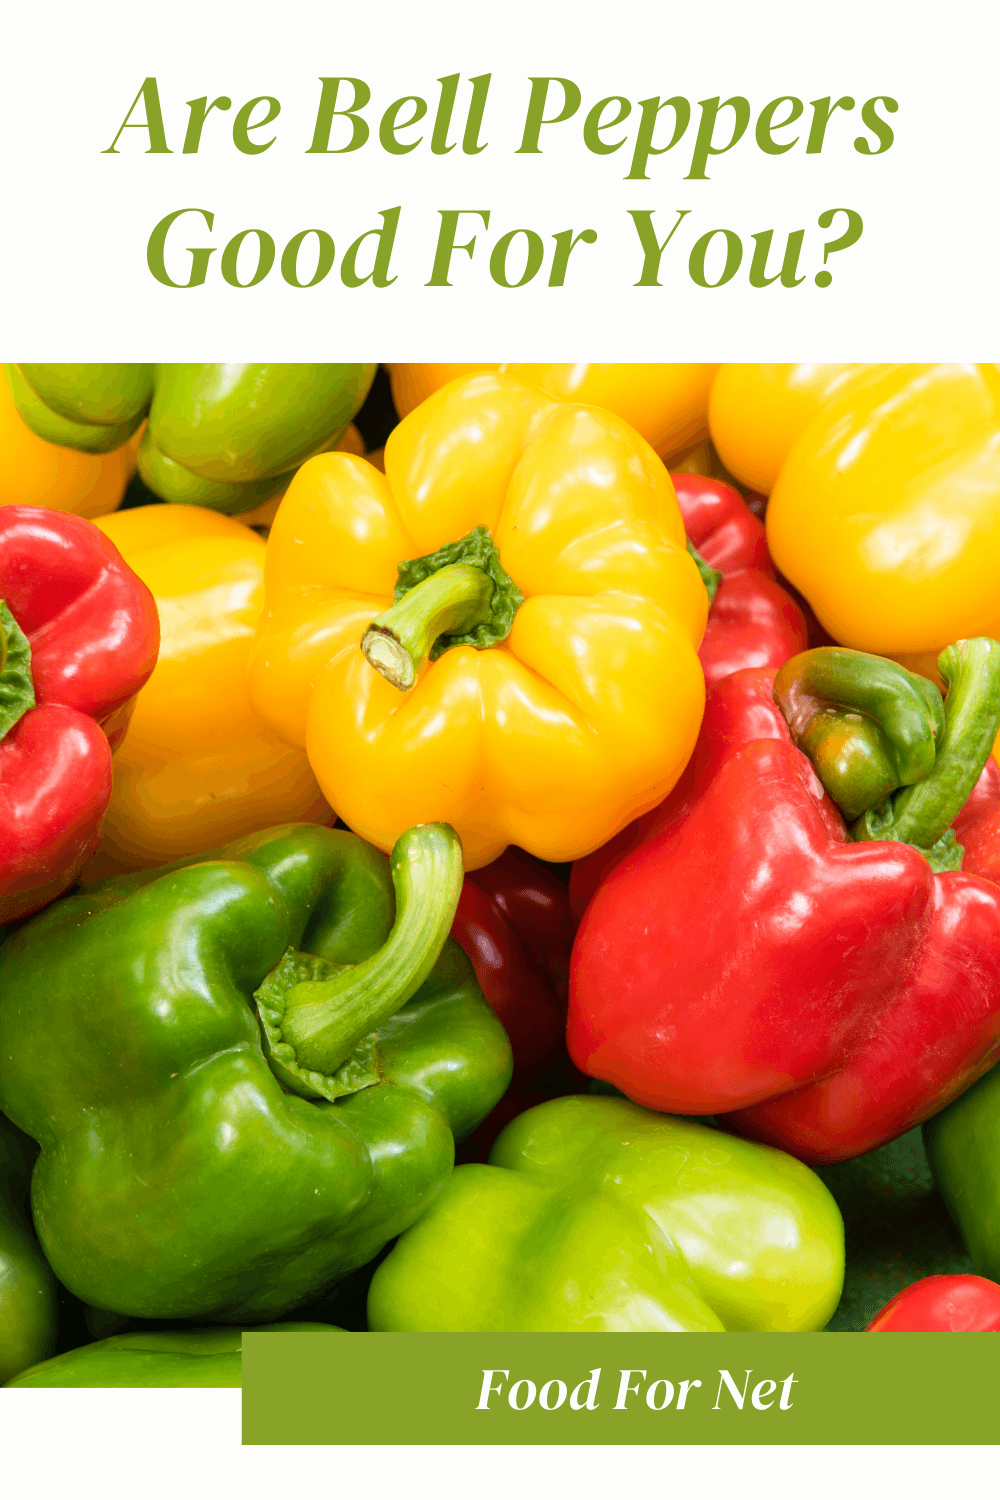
78,638
942,1304
752,620
824,986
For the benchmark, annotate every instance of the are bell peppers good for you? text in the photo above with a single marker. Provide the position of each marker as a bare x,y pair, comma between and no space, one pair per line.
546,535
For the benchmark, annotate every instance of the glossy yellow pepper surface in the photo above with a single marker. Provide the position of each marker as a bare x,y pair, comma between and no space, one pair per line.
756,412
563,718
667,404
198,767
34,472
886,512
263,515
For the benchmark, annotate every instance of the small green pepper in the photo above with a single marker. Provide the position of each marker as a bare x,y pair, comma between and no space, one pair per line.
225,436
599,1216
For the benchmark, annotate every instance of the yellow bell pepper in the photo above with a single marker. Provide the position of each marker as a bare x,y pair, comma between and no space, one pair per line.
667,404
198,766
886,513
756,412
583,705
34,472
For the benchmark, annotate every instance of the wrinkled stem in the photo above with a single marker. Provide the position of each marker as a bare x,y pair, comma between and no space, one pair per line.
325,1020
922,812
867,724
452,601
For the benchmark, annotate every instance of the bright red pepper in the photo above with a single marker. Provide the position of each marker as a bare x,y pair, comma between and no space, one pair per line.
753,621
942,1304
80,639
748,959
514,922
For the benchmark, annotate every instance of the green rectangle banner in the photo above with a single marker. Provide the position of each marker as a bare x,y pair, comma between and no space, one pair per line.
624,1388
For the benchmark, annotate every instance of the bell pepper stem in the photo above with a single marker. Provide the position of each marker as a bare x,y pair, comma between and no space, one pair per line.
325,1020
868,725
921,813
452,601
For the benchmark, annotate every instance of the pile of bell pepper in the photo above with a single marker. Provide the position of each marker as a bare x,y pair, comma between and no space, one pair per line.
528,860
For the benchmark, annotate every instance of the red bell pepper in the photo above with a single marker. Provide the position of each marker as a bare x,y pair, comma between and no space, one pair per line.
753,621
824,990
514,922
942,1304
79,638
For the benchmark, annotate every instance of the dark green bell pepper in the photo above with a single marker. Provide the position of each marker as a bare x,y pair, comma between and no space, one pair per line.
963,1147
195,1357
225,436
598,1216
178,1178
28,1312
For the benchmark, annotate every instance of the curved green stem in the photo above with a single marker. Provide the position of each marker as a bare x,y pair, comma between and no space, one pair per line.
867,724
452,601
325,1020
922,813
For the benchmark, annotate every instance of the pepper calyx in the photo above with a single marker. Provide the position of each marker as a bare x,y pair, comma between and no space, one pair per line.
17,689
876,825
361,1068
318,1018
710,577
459,595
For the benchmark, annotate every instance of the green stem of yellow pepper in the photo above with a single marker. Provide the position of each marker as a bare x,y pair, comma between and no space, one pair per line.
452,601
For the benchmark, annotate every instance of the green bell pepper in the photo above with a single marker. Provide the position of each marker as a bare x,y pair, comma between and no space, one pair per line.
28,1311
195,1357
599,1216
224,436
963,1147
178,1178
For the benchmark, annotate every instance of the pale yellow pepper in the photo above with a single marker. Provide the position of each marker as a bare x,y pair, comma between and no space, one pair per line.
886,512
198,767
667,404
755,412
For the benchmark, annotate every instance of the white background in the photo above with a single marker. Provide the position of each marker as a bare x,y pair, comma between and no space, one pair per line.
920,284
